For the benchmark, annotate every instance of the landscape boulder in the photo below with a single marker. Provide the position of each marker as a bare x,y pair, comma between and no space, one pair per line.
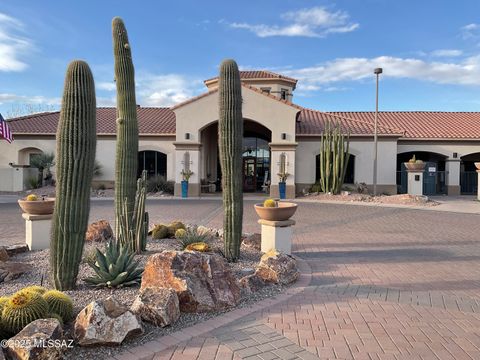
158,306
10,270
3,254
251,283
99,231
106,322
276,267
41,339
203,282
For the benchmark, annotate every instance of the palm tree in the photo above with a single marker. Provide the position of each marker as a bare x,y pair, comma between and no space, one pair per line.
43,162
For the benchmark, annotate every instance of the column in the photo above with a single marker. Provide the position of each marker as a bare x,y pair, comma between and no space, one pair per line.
415,182
289,150
193,149
37,231
452,167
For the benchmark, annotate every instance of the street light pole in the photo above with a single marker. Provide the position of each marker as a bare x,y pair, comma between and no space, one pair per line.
377,72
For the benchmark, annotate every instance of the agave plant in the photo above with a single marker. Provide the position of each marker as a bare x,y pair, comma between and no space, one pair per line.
115,268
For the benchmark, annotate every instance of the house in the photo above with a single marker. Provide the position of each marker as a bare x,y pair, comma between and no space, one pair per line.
185,135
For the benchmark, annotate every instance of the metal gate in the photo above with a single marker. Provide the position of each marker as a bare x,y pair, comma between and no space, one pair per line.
434,181
468,182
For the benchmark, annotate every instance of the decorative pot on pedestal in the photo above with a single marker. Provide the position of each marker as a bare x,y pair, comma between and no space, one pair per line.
276,225
186,173
38,214
415,166
477,165
415,169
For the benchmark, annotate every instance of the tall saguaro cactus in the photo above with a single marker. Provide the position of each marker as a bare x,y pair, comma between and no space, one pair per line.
230,136
334,155
126,161
76,143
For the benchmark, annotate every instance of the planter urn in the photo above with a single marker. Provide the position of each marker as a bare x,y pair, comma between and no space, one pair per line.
37,207
184,188
415,166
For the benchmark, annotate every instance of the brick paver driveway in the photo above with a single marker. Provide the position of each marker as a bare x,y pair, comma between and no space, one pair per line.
386,283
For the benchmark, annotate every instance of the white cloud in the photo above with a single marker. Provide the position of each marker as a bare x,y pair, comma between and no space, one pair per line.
464,72
12,44
23,99
105,85
470,31
313,22
447,53
165,90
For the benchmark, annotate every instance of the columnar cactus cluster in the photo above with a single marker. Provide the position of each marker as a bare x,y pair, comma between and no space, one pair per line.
230,135
334,155
126,161
76,144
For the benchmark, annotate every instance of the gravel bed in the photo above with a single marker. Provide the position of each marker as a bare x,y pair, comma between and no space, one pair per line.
401,199
83,295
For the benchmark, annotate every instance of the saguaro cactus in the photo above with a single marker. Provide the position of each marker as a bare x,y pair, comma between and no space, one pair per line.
230,136
334,147
126,161
76,143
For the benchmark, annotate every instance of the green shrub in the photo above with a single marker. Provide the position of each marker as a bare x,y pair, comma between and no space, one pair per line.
174,226
316,188
159,183
160,232
32,182
192,236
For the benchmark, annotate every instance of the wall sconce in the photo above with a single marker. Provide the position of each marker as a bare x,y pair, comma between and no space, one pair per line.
187,136
455,155
284,136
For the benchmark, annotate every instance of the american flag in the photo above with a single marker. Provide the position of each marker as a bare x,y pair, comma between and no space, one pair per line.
5,132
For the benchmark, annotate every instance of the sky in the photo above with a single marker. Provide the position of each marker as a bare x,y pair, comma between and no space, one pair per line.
429,50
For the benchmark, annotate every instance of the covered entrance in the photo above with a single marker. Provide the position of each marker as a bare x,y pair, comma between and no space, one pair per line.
256,157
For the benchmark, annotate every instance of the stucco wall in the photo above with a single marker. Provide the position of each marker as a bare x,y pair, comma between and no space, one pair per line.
446,148
309,148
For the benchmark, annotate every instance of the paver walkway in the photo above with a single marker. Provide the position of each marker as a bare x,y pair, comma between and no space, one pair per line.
386,283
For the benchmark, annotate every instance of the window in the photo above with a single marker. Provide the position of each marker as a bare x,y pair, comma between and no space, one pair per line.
154,162
284,94
266,90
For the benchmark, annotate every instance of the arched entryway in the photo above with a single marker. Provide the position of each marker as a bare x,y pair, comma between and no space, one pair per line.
155,162
349,173
434,177
468,174
256,156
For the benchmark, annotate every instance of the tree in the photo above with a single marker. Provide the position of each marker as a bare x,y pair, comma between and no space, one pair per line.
43,162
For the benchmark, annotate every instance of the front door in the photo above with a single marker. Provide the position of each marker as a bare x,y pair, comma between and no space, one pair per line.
249,173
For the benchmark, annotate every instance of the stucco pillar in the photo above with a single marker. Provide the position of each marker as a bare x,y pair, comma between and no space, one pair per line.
452,167
415,182
289,150
37,231
193,149
478,187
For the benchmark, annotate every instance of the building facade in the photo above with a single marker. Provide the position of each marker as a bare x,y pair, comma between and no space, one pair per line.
185,136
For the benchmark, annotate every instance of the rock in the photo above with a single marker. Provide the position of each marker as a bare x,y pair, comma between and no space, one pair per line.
10,270
99,231
16,249
252,283
247,271
277,267
3,254
106,322
203,282
38,340
253,241
158,306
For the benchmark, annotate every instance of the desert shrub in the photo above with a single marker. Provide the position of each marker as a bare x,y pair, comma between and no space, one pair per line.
192,236
33,182
159,183
160,231
362,188
315,188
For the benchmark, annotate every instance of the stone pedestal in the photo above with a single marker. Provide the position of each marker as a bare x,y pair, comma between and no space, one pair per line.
277,235
37,231
415,182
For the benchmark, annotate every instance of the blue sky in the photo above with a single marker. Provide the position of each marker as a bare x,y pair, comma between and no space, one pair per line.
429,49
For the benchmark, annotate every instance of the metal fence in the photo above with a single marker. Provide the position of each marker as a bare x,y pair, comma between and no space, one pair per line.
468,182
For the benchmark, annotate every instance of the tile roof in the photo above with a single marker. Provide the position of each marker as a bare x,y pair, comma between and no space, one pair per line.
425,124
312,122
259,74
151,121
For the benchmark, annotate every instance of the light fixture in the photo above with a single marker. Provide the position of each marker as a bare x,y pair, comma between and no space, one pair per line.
187,136
455,155
284,136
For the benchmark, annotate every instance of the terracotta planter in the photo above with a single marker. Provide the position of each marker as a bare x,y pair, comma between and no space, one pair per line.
37,207
415,166
284,211
477,165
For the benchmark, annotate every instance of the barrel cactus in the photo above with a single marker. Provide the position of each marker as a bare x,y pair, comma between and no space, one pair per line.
126,161
21,309
76,143
36,288
59,304
230,135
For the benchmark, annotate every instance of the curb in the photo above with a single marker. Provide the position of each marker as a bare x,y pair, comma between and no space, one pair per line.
149,349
